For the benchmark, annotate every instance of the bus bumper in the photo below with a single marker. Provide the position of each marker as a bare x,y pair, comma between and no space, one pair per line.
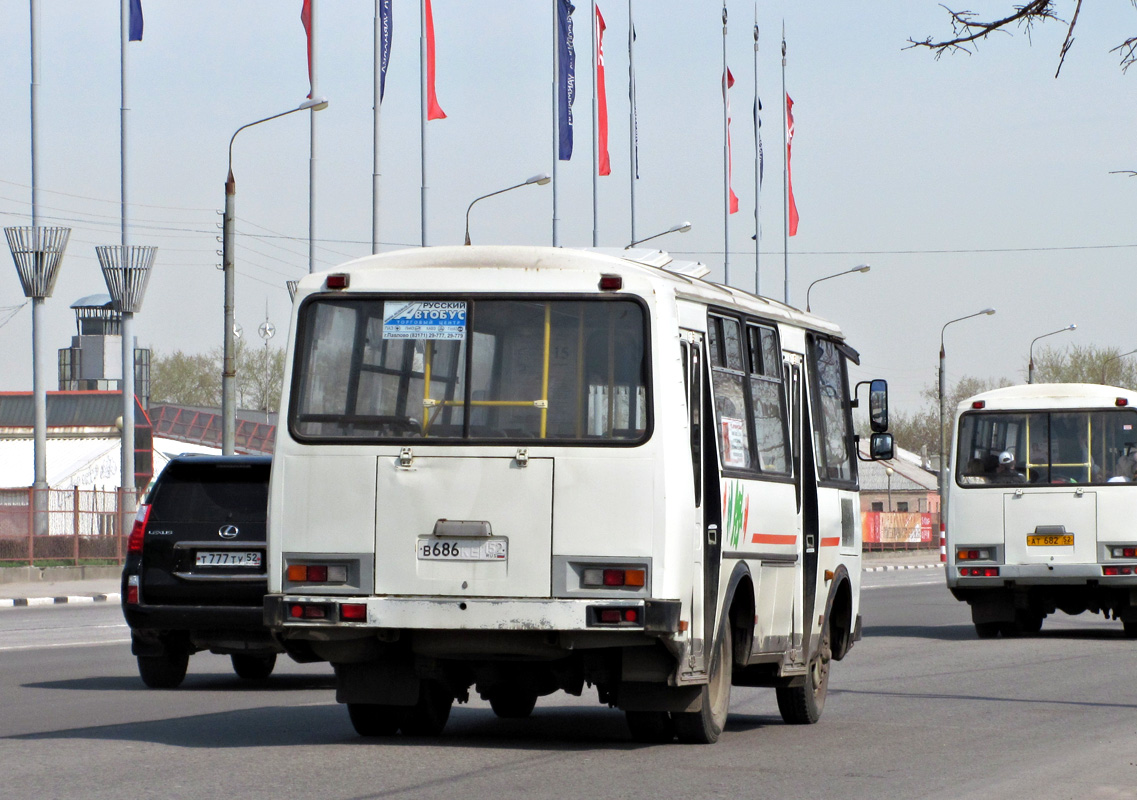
1040,574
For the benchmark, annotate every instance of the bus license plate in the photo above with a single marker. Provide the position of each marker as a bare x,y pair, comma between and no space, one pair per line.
434,549
1063,540
228,558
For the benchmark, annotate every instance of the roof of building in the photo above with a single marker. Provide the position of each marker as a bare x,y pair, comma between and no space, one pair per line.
83,409
907,475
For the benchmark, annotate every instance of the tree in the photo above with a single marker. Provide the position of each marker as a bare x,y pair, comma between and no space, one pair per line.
195,379
1086,364
968,30
919,431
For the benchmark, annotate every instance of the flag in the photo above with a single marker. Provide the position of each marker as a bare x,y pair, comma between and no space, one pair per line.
604,165
758,136
136,20
792,212
729,82
306,21
384,44
566,78
433,110
632,100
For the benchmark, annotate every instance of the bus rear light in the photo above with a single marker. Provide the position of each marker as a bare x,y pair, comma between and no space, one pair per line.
138,531
613,576
982,554
1123,552
307,611
1121,401
1119,570
339,280
611,283
353,612
614,616
317,573
979,572
979,404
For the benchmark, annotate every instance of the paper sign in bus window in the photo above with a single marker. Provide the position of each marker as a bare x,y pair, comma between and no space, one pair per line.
424,319
735,447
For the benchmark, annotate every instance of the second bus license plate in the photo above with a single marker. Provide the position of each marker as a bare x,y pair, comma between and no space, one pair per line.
1056,540
434,549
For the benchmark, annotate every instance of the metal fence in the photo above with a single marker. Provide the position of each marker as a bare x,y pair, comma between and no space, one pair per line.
900,530
81,526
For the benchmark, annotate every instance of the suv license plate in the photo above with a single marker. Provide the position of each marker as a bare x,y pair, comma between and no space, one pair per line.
433,549
228,558
1062,540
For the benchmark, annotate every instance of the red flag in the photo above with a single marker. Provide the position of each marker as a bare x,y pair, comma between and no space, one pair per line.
729,156
604,165
433,110
306,21
789,173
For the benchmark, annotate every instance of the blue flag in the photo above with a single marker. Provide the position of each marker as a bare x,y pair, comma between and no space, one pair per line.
566,77
136,20
384,44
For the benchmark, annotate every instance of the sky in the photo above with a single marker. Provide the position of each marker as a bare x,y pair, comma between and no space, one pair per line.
965,182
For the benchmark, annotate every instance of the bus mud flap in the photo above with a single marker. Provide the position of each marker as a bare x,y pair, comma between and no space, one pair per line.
636,696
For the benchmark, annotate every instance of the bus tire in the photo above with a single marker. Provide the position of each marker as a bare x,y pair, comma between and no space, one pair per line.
802,705
1130,628
429,715
705,725
513,704
1029,623
372,719
987,630
253,668
650,727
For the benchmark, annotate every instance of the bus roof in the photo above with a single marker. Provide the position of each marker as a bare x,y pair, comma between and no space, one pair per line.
1051,395
655,266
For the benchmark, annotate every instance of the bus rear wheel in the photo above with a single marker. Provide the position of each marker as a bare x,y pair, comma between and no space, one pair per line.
513,703
650,727
428,717
987,630
802,705
371,719
705,725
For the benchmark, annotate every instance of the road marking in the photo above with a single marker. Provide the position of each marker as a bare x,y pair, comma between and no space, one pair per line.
12,648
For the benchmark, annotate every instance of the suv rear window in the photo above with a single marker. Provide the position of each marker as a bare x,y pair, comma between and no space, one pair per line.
187,492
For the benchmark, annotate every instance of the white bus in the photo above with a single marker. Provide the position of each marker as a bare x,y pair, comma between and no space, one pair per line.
1042,506
523,470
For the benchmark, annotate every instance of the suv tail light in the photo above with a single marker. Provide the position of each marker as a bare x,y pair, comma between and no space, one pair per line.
134,543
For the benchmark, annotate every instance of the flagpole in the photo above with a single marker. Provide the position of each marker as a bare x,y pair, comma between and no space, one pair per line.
785,181
422,118
124,30
313,39
556,121
377,99
725,161
757,164
633,162
595,127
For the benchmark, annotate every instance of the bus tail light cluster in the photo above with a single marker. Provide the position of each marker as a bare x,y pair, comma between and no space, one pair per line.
138,531
1123,552
615,616
317,573
613,576
973,554
328,612
979,572
1119,570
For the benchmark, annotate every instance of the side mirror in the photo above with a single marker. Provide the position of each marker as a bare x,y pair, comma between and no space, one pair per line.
878,406
881,447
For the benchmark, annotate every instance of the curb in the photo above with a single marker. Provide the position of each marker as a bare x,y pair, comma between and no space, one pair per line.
73,599
888,567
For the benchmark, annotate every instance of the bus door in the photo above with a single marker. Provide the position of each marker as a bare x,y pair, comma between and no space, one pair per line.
810,525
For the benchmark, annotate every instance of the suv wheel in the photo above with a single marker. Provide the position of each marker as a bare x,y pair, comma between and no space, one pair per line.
166,671
253,668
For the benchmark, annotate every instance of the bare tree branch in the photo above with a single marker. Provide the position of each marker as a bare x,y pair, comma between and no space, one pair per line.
1128,50
967,30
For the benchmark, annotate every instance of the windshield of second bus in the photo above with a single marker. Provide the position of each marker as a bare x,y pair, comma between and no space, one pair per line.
1047,447
469,368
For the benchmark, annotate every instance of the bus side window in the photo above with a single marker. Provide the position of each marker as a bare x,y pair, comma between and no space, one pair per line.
830,412
693,383
768,400
728,380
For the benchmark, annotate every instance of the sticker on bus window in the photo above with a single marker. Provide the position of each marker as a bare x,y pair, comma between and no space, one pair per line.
735,448
424,319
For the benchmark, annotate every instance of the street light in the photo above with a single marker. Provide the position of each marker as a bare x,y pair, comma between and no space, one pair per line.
540,180
1113,358
943,433
861,268
126,270
37,252
1030,365
229,370
888,474
682,227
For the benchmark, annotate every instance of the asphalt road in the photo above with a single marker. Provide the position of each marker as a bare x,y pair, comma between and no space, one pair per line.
920,708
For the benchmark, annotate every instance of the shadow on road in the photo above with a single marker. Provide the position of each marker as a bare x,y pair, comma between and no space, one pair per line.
219,682
955,633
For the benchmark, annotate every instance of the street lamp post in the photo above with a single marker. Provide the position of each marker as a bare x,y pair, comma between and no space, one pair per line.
126,270
888,474
942,392
229,369
1030,364
861,268
682,227
1113,358
540,180
37,252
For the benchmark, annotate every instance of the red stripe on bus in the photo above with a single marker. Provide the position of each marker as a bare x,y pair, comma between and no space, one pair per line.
831,541
773,538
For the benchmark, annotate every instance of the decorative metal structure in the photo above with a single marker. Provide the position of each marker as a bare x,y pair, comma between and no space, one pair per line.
38,252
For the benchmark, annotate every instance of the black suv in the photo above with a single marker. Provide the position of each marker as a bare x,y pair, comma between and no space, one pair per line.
194,577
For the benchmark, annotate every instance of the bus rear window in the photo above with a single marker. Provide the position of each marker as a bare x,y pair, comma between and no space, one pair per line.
464,368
